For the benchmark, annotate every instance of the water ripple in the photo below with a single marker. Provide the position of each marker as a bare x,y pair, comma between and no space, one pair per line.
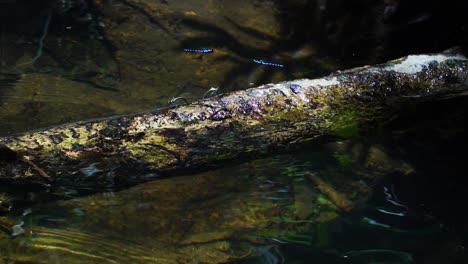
102,249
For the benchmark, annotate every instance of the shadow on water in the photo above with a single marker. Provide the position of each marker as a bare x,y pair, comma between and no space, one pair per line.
423,215
367,31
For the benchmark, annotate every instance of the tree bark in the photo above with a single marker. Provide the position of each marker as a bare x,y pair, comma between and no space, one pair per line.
129,149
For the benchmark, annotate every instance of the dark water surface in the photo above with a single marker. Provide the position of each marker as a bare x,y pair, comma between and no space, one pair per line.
63,61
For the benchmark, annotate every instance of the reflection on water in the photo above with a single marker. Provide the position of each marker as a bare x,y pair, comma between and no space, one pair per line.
392,197
209,217
263,211
234,213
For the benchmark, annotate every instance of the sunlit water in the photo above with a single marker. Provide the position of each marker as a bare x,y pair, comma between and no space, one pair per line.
404,177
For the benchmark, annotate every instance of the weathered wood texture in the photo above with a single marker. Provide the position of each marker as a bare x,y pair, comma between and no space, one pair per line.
135,148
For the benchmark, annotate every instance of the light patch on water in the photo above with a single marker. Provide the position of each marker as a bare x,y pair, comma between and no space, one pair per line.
375,223
270,254
90,170
17,229
415,63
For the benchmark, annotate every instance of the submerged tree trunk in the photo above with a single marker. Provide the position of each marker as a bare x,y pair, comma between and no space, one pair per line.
134,148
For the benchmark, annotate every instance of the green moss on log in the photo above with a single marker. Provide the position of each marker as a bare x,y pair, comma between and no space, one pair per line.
231,126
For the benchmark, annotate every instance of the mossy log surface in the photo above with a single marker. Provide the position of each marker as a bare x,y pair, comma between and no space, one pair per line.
129,149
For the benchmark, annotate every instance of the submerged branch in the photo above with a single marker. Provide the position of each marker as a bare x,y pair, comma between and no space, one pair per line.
337,198
135,148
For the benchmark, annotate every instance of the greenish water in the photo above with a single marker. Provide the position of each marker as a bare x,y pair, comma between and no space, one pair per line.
404,177
267,210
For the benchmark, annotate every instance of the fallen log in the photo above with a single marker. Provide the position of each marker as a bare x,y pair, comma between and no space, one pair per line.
134,148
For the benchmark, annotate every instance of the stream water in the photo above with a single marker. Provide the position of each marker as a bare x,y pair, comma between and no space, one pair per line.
64,61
